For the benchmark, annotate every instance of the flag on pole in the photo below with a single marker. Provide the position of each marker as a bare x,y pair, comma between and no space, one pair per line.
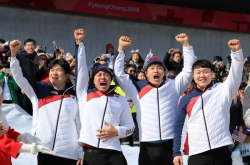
239,137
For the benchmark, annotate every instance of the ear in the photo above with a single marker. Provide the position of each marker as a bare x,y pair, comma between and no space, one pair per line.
146,73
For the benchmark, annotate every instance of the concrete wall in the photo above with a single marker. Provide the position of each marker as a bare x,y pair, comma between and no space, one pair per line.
45,27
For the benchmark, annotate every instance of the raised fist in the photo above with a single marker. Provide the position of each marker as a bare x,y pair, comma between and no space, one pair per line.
124,42
182,38
14,47
79,35
234,45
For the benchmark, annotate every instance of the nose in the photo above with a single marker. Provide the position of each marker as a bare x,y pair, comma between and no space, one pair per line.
202,74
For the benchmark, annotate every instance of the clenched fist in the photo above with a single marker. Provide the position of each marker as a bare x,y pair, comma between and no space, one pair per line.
234,45
124,42
14,47
79,35
183,39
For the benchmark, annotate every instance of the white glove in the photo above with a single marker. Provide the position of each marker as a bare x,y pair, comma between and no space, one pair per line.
236,157
28,139
34,149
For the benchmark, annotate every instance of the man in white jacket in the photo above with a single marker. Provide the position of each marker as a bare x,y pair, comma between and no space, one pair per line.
56,119
155,101
207,111
105,116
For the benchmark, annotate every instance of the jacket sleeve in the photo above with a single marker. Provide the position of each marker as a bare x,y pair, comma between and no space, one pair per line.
82,74
185,77
8,144
122,78
178,128
233,80
127,126
27,84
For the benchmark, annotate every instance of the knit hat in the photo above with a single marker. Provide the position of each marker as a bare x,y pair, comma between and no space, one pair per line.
154,60
100,67
108,46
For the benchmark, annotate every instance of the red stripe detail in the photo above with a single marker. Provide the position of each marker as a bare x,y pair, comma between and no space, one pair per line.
51,99
93,95
87,146
191,105
186,147
145,90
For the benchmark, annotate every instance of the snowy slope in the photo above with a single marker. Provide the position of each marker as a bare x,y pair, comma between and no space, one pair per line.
22,122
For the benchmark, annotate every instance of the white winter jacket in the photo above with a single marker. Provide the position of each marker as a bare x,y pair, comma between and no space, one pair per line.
156,107
96,108
57,130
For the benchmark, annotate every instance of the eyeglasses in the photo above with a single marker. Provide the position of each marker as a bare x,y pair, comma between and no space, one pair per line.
132,71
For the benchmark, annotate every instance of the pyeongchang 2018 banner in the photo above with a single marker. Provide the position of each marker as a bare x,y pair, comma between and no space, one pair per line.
144,11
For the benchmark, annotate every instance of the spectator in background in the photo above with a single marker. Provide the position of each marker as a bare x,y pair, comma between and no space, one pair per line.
69,57
10,88
43,61
141,76
214,78
130,69
236,113
110,49
29,61
177,62
241,91
136,60
218,66
4,50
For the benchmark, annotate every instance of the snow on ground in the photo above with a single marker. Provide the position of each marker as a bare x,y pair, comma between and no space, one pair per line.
22,122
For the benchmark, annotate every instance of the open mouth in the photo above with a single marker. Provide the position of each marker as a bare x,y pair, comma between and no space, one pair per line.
103,84
156,77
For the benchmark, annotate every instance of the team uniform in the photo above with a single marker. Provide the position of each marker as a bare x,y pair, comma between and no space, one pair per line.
56,119
96,108
156,108
208,116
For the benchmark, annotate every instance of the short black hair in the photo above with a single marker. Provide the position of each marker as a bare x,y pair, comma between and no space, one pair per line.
62,63
202,64
4,64
2,41
30,40
217,58
129,66
176,53
243,85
